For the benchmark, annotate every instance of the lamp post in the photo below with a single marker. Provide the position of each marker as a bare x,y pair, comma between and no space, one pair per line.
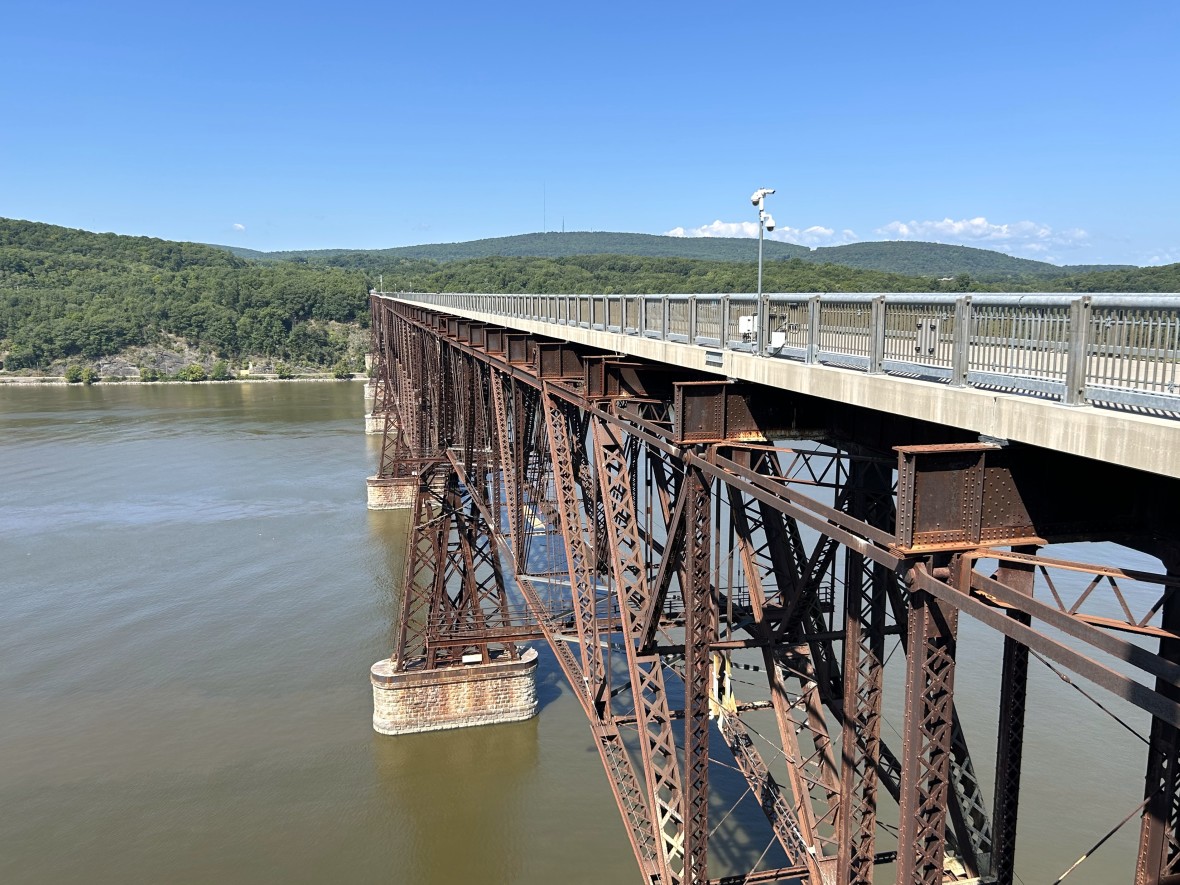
765,223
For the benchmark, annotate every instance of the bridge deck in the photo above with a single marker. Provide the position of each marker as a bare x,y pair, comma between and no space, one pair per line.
662,537
1140,438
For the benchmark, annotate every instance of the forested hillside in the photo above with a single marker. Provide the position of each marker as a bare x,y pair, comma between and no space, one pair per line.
69,293
912,259
550,245
941,260
610,274
1131,279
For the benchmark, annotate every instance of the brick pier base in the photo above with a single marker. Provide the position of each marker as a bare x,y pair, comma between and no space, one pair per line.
391,492
374,424
454,697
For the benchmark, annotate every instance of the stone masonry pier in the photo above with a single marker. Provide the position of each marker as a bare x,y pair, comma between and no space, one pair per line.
453,697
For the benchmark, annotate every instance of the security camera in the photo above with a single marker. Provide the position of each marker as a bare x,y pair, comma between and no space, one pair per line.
768,221
758,195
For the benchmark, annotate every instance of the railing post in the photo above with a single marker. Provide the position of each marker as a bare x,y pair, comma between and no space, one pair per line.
961,342
762,312
724,331
692,320
642,318
664,322
812,328
877,324
1079,351
761,338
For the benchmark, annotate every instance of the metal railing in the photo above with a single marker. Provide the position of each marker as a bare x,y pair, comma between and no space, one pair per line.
1103,349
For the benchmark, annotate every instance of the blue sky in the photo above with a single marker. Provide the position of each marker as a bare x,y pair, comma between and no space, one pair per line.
1048,130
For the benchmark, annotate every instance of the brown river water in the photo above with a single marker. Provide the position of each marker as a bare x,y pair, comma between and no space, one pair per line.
191,594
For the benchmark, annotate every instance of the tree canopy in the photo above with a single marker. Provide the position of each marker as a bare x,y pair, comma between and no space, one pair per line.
72,295
68,293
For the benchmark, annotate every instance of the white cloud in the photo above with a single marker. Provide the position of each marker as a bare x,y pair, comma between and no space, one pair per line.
718,228
239,226
1167,256
1027,237
816,235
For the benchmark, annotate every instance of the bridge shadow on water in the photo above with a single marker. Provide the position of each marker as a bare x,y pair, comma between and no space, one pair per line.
551,684
456,800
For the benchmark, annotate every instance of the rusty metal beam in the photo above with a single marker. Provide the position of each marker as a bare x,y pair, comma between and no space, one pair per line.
680,526
926,748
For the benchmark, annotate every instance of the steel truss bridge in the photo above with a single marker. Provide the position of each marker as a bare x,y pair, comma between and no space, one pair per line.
595,472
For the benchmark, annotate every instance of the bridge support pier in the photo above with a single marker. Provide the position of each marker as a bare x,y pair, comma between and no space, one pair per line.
391,492
660,526
409,701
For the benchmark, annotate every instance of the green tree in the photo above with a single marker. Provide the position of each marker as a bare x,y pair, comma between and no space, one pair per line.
220,372
89,376
284,371
74,374
194,372
342,370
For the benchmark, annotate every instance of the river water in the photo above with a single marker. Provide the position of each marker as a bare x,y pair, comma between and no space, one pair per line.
191,594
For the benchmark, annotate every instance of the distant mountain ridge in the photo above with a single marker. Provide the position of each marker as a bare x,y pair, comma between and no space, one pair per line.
558,245
896,256
73,295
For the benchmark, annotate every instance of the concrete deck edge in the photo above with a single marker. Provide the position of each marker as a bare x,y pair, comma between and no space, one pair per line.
1142,442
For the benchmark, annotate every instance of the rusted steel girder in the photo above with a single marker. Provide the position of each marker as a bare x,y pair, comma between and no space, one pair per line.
680,533
1010,743
1159,835
865,610
700,630
926,746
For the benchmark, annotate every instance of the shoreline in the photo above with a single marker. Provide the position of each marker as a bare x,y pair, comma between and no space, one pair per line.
60,381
